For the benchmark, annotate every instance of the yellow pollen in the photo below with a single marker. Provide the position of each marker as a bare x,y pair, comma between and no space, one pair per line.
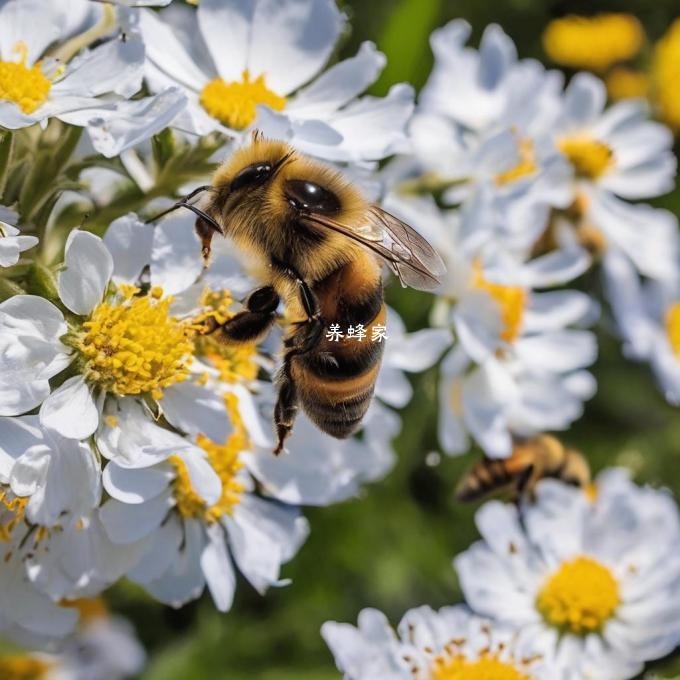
593,43
510,299
27,87
524,167
15,508
625,83
90,608
135,347
673,327
666,75
487,667
580,597
589,157
225,461
234,103
16,667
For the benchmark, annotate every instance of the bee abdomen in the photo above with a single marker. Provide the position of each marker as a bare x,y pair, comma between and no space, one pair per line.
487,475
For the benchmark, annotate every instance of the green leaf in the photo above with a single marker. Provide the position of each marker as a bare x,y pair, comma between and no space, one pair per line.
6,146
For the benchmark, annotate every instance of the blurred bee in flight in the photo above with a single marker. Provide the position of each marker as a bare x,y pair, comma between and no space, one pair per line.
314,242
531,460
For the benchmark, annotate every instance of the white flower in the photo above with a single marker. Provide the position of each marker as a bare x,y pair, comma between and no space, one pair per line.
260,65
11,242
432,645
594,584
196,513
38,81
123,344
648,316
516,367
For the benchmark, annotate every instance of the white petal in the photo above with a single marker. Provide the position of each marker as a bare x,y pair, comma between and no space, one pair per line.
71,410
126,523
196,410
29,22
218,570
128,239
135,485
87,270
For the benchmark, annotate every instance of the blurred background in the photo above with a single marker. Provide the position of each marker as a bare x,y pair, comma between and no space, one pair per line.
392,547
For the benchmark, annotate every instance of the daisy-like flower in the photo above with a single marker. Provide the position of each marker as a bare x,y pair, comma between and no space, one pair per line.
433,645
260,64
593,583
12,243
103,646
196,512
120,342
648,316
618,154
44,73
517,366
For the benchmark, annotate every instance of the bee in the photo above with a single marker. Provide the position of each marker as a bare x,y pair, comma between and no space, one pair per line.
313,241
531,460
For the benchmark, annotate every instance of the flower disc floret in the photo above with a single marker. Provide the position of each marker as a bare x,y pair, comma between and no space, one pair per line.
673,327
27,87
511,300
589,157
135,346
487,667
235,103
580,597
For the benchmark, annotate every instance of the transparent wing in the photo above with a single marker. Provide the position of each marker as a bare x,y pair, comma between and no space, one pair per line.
414,261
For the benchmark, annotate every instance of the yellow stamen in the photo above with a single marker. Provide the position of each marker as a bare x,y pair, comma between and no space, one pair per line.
673,327
510,299
90,608
589,157
225,461
525,166
135,346
580,597
234,103
16,667
12,512
666,76
594,43
27,87
487,667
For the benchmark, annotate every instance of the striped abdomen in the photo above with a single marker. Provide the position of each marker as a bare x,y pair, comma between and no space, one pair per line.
335,381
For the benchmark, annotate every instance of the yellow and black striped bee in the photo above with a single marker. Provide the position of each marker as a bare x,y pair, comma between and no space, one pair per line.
313,241
531,460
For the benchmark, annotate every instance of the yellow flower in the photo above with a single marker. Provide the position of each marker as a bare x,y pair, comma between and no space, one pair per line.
666,76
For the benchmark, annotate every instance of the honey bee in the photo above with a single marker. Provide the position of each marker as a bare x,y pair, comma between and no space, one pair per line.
314,242
531,460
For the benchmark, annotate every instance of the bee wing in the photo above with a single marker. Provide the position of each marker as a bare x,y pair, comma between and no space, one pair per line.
408,254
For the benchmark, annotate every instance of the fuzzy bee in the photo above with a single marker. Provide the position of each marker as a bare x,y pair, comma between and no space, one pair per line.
314,242
531,460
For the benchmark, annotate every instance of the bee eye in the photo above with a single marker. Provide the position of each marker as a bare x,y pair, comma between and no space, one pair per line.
252,175
306,195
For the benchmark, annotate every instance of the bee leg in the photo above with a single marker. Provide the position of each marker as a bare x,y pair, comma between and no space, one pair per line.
251,325
286,404
524,483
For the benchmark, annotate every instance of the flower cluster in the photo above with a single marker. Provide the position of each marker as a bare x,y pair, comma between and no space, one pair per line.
135,443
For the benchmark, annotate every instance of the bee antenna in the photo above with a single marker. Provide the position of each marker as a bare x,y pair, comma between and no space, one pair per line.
184,203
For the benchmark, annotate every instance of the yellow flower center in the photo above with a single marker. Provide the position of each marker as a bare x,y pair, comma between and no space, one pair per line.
225,461
510,299
525,166
90,609
487,667
589,157
27,87
594,43
580,597
666,75
12,512
673,327
234,103
135,346
18,667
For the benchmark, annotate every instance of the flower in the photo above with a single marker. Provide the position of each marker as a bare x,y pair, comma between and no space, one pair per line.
665,72
195,512
433,645
121,342
87,88
593,43
11,243
648,317
516,367
266,74
594,583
